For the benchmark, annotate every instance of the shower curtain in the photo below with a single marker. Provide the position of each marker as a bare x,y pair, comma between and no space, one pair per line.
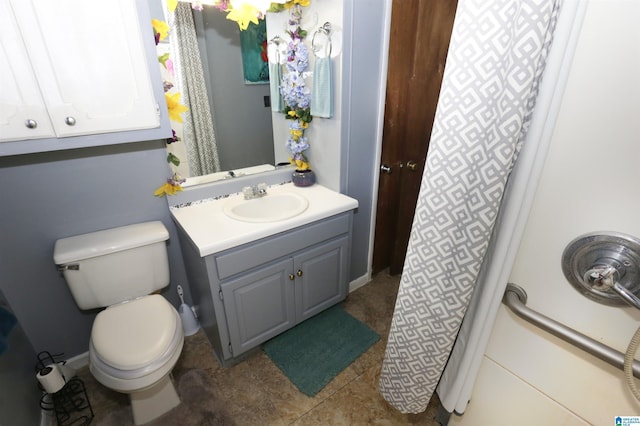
198,125
494,66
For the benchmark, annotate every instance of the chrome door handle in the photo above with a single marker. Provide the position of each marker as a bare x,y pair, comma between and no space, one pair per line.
386,169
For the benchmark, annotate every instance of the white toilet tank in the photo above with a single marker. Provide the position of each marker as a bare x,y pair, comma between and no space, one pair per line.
107,267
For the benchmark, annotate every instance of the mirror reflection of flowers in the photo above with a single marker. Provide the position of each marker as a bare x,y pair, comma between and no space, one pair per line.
295,93
174,108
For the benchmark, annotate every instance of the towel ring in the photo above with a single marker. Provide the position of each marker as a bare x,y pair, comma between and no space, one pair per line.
276,41
325,29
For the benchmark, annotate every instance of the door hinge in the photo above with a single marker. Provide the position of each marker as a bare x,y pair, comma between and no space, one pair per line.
220,294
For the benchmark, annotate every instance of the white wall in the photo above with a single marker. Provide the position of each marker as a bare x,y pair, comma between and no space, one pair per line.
589,183
323,133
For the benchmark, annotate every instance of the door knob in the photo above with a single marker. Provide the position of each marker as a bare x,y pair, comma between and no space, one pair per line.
412,165
386,169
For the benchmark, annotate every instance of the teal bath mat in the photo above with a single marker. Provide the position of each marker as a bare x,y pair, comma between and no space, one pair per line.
312,353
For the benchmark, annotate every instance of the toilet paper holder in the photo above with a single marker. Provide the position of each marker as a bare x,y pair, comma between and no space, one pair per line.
63,392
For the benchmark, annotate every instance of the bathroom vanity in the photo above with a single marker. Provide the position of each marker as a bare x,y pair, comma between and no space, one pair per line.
253,279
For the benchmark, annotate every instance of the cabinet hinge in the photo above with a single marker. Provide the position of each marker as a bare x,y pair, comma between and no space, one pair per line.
230,349
220,294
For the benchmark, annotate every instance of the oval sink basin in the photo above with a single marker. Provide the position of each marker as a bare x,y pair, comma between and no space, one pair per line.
269,208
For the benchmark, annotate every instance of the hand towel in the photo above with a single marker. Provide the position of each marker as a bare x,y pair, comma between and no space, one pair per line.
275,77
322,90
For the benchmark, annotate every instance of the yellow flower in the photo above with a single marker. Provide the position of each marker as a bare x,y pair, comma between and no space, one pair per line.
172,4
296,133
291,113
301,165
304,3
243,14
160,27
167,189
174,106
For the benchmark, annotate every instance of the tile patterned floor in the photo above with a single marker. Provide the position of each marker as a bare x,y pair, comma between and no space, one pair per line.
256,392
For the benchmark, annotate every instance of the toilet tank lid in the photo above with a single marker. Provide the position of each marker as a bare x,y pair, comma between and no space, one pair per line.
99,243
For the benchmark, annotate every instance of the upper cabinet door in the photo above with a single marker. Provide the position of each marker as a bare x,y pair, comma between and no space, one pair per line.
90,63
22,110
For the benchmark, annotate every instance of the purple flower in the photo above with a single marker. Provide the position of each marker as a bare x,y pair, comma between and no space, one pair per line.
174,138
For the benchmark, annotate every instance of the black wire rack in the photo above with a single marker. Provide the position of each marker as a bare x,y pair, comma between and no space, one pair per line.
70,404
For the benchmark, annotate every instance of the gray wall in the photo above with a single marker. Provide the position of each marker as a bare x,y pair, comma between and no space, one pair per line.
20,396
363,79
48,196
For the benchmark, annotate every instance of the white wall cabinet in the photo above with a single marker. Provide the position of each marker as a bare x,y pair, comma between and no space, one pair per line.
74,68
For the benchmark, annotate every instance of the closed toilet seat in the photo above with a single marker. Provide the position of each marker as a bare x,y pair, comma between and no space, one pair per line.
135,342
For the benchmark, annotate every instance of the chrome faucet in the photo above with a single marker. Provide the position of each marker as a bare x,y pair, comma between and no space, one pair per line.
256,191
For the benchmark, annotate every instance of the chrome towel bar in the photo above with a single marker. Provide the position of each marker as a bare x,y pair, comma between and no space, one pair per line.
515,298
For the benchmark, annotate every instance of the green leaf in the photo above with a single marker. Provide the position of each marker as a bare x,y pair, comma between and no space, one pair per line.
163,59
172,159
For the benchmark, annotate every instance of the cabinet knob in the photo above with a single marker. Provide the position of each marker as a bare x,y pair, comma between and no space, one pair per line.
292,277
70,121
299,273
31,123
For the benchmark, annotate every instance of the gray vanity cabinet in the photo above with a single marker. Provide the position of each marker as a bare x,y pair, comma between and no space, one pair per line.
264,303
248,294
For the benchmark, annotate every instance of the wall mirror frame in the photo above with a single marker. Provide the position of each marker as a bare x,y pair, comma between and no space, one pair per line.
241,114
326,135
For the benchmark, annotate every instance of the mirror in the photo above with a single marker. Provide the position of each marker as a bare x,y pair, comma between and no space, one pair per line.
241,111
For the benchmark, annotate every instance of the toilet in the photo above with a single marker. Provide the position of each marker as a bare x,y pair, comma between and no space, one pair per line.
136,341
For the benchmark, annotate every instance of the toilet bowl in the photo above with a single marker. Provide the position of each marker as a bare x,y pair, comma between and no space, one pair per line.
134,346
137,340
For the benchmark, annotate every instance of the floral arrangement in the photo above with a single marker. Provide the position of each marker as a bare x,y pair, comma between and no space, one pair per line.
295,93
175,109
245,11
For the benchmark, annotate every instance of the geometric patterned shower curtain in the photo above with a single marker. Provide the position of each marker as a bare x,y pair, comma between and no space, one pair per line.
495,62
198,123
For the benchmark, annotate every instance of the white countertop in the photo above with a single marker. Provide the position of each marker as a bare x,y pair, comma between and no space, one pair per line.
212,231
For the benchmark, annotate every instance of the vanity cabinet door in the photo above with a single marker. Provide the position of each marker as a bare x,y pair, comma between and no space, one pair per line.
76,68
259,305
262,304
321,277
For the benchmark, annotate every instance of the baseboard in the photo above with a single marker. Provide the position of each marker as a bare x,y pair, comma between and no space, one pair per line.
79,361
359,282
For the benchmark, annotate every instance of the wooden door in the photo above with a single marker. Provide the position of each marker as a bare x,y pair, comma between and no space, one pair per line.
419,41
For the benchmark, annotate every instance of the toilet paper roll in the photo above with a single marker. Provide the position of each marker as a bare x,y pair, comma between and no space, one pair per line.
51,378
